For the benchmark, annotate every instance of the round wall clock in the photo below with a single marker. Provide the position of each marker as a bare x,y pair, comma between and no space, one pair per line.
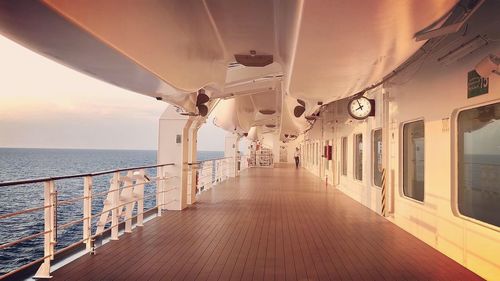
360,107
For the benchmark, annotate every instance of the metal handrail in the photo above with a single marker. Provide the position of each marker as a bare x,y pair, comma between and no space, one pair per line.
209,176
29,237
72,200
38,180
51,205
207,160
211,172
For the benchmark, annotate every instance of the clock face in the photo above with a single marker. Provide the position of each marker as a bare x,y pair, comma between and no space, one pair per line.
360,108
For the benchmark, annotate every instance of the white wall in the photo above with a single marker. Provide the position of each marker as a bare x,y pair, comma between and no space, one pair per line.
171,125
434,92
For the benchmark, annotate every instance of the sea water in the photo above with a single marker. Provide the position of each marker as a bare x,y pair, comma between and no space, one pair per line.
27,163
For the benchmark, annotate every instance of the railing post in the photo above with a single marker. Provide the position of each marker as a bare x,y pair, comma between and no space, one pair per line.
192,183
87,213
160,183
139,192
217,177
189,171
127,195
49,197
211,174
114,205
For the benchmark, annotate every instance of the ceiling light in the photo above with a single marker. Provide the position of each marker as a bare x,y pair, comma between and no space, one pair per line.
253,59
267,111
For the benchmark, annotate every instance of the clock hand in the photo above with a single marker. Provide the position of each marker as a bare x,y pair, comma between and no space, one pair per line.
360,106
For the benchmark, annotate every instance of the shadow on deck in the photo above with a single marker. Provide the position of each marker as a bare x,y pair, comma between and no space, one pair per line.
268,224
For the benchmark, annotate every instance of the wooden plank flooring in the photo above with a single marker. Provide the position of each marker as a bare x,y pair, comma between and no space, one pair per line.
268,224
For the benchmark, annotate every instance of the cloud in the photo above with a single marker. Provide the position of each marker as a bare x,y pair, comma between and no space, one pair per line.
44,104
47,105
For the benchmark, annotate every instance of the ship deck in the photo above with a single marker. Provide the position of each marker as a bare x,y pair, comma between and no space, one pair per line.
268,224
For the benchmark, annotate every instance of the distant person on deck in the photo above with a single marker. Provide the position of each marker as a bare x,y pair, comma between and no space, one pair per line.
296,155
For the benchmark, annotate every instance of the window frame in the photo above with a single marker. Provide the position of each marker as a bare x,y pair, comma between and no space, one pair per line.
325,158
344,153
354,162
315,153
373,155
454,161
402,159
308,153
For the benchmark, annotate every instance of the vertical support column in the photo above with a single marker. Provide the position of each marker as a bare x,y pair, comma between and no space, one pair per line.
230,152
127,196
386,139
115,199
193,150
49,197
139,194
173,148
160,188
87,212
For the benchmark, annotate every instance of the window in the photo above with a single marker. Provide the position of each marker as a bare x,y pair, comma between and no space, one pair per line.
311,159
325,156
344,156
377,157
316,152
309,153
358,157
479,163
306,153
413,160
306,157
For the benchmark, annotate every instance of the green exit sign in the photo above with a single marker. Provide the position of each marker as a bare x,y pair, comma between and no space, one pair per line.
476,85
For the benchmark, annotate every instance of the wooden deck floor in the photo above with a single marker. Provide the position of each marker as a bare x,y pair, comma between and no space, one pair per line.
268,224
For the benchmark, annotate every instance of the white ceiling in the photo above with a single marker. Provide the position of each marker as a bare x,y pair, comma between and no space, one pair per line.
324,50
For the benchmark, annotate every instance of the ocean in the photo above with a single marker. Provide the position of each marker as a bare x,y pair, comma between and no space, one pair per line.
28,163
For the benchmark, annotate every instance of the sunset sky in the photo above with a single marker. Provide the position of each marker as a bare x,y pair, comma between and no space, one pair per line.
47,105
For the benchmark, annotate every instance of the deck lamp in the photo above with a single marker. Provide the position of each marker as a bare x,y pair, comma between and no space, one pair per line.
201,99
299,109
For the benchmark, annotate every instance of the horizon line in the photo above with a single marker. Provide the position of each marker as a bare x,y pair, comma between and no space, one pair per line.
91,148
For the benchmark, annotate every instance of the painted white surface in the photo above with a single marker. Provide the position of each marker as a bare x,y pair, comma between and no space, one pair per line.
434,92
174,48
231,152
171,125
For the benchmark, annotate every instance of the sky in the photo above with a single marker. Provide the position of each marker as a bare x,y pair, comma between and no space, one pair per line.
46,105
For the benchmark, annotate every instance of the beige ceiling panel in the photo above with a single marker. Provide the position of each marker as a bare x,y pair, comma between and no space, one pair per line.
345,46
175,39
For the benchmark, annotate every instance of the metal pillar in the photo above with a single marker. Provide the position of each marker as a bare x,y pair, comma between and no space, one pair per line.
193,150
231,153
173,147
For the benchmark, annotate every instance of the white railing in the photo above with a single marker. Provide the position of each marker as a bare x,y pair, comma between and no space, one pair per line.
210,172
214,171
115,209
